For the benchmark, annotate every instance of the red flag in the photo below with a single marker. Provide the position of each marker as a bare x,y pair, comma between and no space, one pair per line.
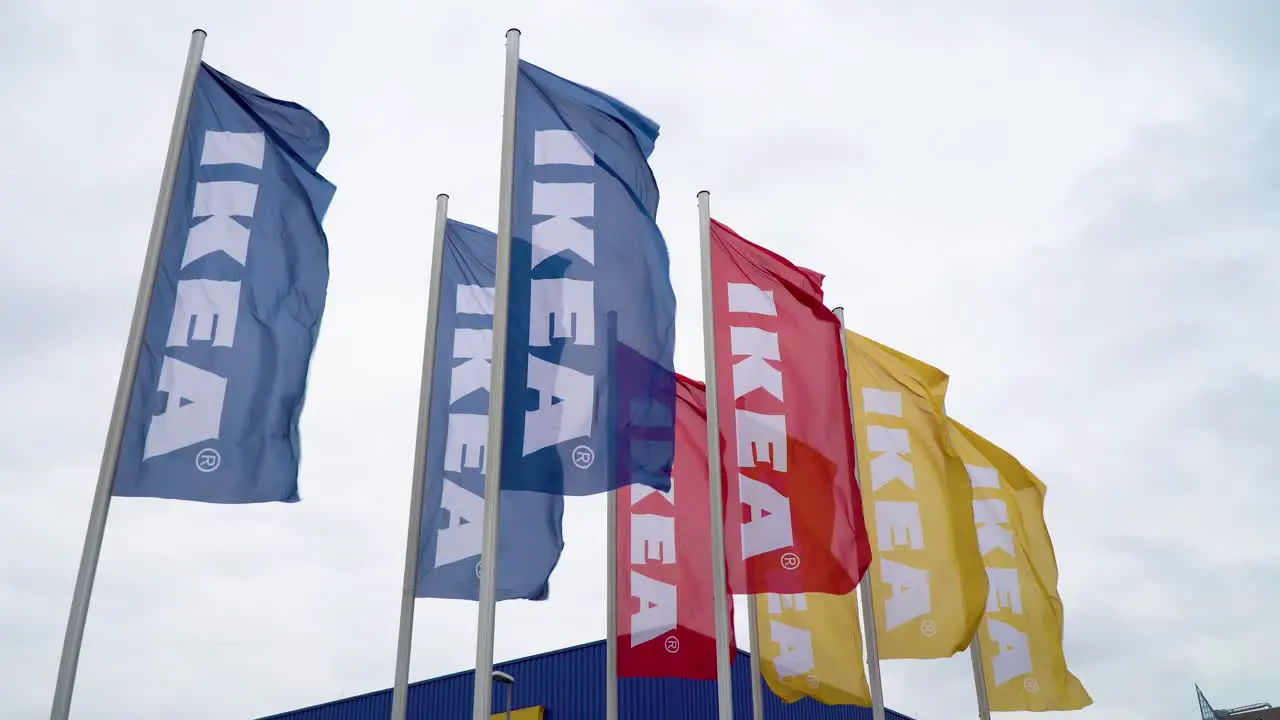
665,613
793,519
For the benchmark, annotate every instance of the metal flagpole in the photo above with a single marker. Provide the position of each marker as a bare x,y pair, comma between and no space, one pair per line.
873,648
757,692
124,390
864,587
400,693
611,612
980,678
611,498
483,697
724,678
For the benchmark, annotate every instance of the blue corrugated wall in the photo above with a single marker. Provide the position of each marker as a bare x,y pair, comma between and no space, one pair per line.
569,683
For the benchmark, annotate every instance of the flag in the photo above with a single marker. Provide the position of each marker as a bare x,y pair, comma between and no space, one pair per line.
530,536
1021,635
665,613
585,244
784,419
928,582
236,305
811,646
643,426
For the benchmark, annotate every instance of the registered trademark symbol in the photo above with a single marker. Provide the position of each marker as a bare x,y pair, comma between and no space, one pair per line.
672,644
1031,685
928,628
583,457
812,681
790,561
208,460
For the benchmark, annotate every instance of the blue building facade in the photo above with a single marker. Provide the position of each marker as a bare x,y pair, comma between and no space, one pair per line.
569,684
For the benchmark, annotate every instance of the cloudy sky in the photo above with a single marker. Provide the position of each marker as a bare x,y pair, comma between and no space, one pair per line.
1070,206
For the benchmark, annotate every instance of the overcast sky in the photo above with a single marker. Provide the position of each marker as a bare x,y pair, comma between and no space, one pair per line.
1070,206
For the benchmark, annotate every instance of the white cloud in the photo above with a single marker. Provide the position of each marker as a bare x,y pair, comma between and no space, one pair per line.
1070,209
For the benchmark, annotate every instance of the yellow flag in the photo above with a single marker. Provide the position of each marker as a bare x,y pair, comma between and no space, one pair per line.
1021,638
811,646
927,579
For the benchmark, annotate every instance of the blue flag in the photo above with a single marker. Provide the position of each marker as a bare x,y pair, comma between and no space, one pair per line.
643,412
585,243
529,531
236,305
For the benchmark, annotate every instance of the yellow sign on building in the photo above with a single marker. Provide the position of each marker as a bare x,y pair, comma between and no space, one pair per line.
529,713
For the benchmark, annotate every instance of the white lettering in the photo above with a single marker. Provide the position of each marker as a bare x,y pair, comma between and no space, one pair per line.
761,439
909,593
560,147
464,441
561,308
206,310
781,601
1003,590
1012,656
744,298
795,656
466,434
769,528
562,232
983,477
898,524
463,537
639,492
553,423
653,537
992,519
753,372
200,303
882,402
475,348
657,613
233,148
220,203
474,300
192,411
889,465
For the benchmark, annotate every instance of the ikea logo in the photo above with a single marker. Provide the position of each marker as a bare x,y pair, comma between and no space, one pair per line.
560,308
205,311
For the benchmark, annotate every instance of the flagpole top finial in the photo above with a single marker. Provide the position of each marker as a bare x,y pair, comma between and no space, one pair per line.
703,192
513,30
199,31
442,196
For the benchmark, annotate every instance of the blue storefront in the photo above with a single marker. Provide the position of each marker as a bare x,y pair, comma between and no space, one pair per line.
569,684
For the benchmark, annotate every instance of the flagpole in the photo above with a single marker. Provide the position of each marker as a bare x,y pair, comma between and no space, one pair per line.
724,677
611,611
611,499
980,678
757,692
873,648
408,595
864,587
124,391
483,698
